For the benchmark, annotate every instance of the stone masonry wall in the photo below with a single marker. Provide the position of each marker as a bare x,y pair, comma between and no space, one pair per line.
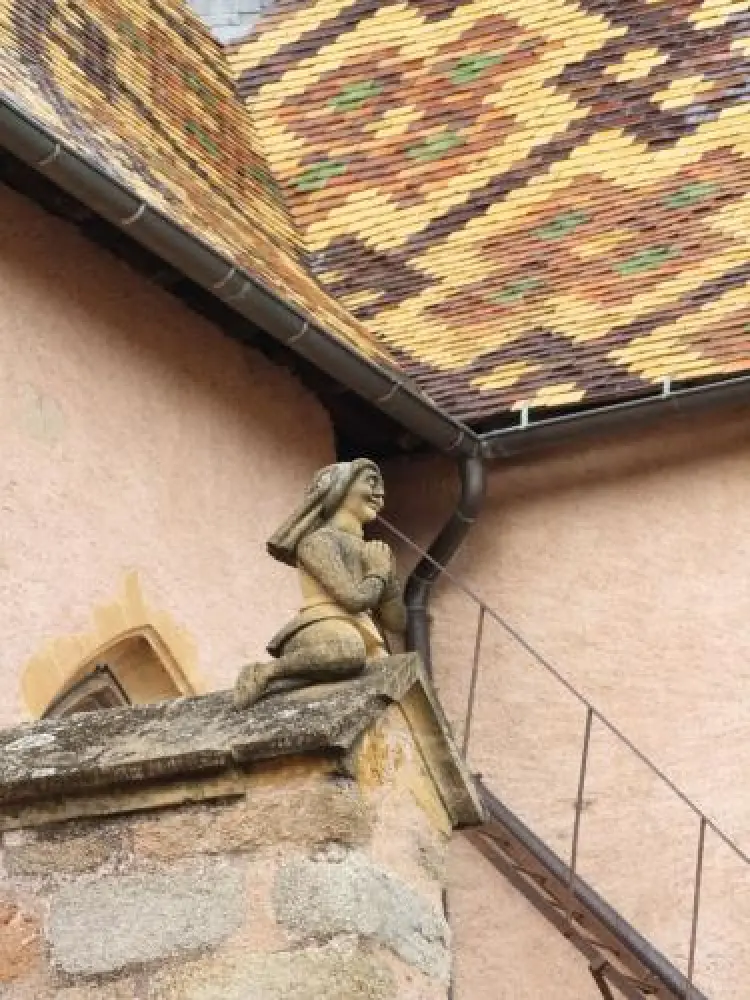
312,884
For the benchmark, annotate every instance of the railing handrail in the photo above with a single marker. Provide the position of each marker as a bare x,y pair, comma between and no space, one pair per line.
513,632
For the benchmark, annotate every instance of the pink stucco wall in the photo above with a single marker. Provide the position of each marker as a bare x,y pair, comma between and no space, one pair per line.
135,439
625,563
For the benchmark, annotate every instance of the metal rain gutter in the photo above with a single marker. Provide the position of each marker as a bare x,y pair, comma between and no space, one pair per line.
34,145
526,436
529,434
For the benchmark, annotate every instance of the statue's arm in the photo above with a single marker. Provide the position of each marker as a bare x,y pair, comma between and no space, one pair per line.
391,611
320,556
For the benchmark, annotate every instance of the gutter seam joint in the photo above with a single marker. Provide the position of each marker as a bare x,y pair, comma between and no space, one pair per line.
456,442
138,214
225,280
50,157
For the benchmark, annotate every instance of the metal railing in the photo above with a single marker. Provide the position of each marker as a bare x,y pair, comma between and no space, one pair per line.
689,990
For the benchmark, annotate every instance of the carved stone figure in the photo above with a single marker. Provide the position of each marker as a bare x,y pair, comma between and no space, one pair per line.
349,588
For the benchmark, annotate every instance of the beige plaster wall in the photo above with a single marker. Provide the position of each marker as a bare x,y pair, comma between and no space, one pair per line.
145,459
625,563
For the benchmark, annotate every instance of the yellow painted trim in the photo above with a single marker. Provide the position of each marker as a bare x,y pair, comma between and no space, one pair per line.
64,659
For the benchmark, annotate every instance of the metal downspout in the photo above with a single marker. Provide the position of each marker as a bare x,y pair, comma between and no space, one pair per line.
419,585
472,472
526,436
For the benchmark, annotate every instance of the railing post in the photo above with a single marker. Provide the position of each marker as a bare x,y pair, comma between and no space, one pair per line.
679,983
474,675
597,971
579,810
696,907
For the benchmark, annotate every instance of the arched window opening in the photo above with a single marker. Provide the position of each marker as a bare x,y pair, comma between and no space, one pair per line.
133,669
97,690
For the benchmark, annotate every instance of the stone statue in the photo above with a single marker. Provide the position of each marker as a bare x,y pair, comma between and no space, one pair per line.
349,588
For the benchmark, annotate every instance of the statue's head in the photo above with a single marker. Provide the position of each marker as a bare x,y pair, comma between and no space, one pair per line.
365,497
356,487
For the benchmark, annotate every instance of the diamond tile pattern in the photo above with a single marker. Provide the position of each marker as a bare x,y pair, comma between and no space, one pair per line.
517,202
529,202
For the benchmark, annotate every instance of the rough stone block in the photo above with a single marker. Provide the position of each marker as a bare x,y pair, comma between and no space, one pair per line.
325,898
122,989
340,970
19,942
114,922
307,816
81,852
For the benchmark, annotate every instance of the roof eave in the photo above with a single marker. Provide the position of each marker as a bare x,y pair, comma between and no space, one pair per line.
384,389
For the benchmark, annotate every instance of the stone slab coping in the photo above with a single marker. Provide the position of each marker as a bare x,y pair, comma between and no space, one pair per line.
205,737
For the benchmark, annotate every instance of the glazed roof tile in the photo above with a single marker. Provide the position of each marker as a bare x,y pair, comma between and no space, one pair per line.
530,202
517,202
141,90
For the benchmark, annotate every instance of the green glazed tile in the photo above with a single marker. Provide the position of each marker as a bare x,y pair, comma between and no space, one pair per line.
354,95
646,260
469,68
317,176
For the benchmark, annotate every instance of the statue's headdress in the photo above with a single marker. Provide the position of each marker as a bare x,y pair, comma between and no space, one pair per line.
323,497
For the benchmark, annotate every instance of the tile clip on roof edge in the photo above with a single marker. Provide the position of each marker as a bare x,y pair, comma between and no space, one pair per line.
38,148
528,434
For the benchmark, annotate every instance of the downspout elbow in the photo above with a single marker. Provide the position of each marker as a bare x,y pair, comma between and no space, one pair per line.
418,588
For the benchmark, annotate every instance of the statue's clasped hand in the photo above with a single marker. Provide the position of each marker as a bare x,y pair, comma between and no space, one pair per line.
378,559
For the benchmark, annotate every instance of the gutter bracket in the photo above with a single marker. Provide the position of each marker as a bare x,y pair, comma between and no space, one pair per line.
225,280
300,333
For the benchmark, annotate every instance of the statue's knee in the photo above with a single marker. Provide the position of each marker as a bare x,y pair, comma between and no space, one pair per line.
350,651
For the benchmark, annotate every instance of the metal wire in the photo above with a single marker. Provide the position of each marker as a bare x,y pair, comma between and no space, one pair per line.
579,811
696,905
551,669
601,982
474,675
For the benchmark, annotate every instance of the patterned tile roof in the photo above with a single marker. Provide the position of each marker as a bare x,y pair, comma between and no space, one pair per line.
528,202
140,89
516,202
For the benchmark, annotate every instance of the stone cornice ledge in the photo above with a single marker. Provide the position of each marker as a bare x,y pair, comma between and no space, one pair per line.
89,763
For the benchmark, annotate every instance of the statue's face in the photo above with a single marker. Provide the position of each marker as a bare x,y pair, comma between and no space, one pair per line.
365,497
